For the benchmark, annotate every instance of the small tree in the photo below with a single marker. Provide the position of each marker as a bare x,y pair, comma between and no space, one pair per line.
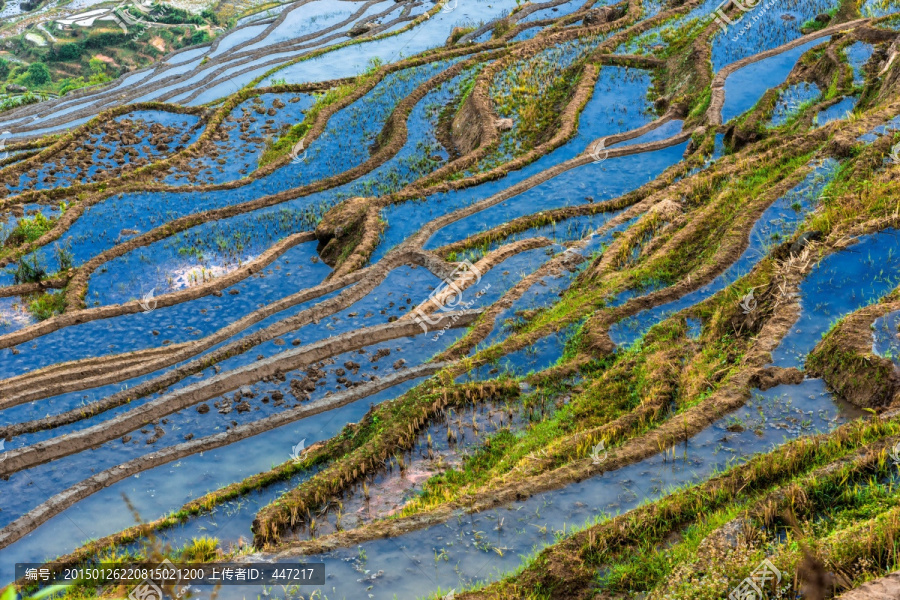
199,37
38,73
98,71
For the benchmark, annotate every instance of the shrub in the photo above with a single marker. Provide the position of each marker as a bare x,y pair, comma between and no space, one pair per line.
38,73
29,272
200,36
48,305
65,52
201,549
29,229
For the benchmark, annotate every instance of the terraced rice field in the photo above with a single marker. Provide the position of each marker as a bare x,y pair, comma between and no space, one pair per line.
466,299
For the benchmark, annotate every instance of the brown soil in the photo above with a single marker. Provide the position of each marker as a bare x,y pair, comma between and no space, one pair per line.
769,377
158,43
844,359
885,588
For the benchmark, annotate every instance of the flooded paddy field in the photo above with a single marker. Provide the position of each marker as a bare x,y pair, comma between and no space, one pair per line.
462,299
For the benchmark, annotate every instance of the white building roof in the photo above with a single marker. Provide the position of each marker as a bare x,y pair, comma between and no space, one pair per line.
85,19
